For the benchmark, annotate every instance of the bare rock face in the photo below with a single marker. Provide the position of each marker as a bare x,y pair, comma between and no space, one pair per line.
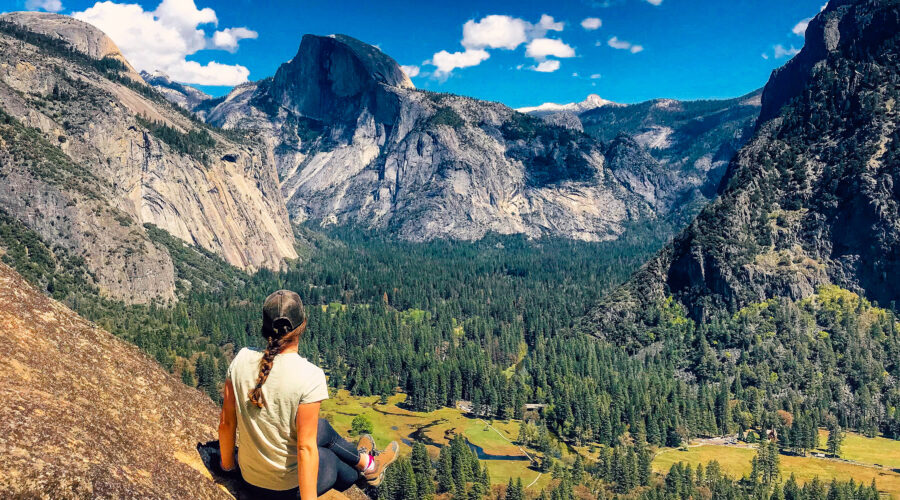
333,79
88,160
181,95
356,144
565,119
684,146
82,36
811,199
86,415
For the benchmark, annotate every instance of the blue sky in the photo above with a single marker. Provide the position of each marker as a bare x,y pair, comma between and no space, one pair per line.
683,49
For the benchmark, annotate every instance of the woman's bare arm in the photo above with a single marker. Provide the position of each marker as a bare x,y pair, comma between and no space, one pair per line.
228,427
307,449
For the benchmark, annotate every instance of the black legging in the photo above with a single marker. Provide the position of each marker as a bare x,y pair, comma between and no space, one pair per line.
337,466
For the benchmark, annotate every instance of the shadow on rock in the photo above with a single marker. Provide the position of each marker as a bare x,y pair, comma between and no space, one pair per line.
232,481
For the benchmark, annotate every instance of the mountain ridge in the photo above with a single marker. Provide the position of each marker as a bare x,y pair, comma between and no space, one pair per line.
91,155
420,164
590,102
799,207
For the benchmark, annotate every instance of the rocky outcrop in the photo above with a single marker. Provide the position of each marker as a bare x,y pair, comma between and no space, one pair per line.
826,36
337,78
90,157
181,95
86,415
81,36
688,143
812,199
565,119
356,144
641,173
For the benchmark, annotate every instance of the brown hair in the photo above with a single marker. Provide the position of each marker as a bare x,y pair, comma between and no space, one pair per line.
276,344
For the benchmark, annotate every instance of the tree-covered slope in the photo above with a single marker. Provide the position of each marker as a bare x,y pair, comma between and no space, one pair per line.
810,204
813,198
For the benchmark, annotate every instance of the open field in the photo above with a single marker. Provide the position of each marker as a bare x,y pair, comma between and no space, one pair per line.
858,448
391,422
736,462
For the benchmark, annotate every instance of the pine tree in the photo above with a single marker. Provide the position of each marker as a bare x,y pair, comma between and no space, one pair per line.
578,469
620,471
835,438
791,489
764,466
406,488
723,409
423,470
645,461
755,471
514,490
445,471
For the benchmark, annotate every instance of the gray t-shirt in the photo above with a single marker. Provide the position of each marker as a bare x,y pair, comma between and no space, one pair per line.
267,437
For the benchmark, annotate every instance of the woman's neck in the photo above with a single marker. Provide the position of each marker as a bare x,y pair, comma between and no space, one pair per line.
291,348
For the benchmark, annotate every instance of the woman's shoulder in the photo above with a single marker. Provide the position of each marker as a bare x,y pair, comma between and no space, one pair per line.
307,365
246,352
246,355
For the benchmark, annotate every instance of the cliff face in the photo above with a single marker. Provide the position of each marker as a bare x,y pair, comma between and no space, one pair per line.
336,78
182,95
678,149
86,415
356,144
812,199
90,156
80,36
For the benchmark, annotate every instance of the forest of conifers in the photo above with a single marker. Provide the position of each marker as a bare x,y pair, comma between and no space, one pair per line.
497,322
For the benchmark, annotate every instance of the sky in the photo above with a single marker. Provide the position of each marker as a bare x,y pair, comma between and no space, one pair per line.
518,52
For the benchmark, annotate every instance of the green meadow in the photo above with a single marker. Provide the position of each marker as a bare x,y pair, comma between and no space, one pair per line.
392,422
860,454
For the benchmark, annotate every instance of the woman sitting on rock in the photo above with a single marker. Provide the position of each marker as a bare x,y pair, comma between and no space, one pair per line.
272,397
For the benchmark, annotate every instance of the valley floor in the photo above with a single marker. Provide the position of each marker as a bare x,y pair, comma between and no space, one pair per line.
862,459
392,422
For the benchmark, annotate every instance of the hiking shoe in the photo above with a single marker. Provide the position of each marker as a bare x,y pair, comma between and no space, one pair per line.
366,444
383,459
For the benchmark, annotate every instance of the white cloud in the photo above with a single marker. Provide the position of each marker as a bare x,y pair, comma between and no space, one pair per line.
765,56
654,2
800,28
547,23
781,51
162,39
595,76
45,5
211,73
496,32
548,66
591,23
228,38
445,62
501,32
615,43
540,48
411,70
